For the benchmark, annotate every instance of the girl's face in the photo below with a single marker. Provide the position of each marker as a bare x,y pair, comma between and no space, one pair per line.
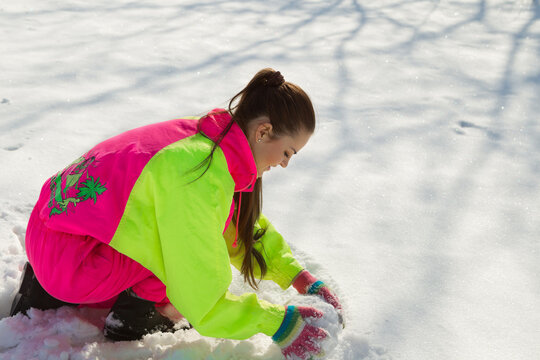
270,150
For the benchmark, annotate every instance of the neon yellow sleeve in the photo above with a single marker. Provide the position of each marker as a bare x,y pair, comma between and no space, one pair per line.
240,317
174,228
282,267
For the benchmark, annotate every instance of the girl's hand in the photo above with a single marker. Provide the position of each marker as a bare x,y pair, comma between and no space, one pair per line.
296,338
305,283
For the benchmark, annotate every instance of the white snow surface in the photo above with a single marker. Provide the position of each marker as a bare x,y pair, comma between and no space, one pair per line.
417,199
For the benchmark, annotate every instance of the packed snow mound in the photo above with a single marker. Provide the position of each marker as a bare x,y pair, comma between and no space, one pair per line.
76,333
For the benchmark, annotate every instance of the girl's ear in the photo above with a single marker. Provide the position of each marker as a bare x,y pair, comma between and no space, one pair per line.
263,131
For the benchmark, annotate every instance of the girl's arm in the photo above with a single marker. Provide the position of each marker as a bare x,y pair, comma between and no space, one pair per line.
282,267
174,227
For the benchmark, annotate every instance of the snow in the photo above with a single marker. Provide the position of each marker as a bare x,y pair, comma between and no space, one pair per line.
417,199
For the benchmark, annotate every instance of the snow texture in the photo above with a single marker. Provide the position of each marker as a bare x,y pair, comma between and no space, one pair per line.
417,199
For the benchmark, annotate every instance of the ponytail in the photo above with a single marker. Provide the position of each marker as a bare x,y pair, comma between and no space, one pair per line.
290,111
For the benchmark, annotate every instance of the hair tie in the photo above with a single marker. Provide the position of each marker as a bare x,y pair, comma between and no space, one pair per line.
275,79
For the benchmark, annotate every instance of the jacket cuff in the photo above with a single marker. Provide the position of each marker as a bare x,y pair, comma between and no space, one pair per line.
284,274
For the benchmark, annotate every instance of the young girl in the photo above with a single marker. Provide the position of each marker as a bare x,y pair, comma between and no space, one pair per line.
157,214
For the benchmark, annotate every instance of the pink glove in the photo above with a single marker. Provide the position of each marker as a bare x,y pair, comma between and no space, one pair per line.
297,338
305,283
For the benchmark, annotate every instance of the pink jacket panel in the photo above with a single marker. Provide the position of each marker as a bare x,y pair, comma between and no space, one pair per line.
89,196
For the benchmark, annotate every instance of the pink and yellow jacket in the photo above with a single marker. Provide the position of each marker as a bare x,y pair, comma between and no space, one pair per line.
136,193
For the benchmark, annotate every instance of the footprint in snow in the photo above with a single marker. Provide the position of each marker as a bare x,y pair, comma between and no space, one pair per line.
13,147
469,125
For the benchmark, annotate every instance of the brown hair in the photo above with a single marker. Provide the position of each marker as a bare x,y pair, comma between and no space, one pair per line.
290,111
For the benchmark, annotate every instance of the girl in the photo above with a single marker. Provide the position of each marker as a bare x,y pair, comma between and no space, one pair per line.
157,214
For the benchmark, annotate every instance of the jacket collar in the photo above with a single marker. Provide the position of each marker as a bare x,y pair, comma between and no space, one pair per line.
235,147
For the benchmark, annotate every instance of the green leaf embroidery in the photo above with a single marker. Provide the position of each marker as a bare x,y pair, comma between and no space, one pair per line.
91,188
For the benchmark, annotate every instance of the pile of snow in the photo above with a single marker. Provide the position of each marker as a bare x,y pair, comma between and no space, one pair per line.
76,333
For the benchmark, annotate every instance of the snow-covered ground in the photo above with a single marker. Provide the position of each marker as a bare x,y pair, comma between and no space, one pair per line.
417,199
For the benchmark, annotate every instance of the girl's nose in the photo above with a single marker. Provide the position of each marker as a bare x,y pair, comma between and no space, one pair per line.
284,163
